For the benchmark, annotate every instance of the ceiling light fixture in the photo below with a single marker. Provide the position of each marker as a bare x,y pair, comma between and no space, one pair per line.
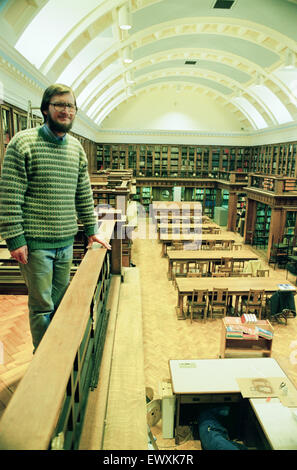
259,80
129,78
127,57
289,59
124,18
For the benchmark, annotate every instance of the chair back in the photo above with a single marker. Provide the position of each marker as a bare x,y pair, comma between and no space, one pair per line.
255,297
237,246
194,274
262,272
219,296
226,264
180,267
200,296
177,245
227,244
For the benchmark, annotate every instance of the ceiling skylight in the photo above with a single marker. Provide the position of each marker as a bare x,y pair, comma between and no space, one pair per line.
250,112
273,103
85,57
50,26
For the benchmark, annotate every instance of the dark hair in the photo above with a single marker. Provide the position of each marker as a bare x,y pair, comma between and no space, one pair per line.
56,89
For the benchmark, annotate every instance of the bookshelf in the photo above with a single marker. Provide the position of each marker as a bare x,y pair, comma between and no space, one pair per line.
207,197
249,338
262,225
290,229
225,198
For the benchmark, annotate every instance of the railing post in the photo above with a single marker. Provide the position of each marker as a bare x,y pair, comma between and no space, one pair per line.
116,248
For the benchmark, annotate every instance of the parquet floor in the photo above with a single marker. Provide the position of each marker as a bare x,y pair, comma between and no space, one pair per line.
16,344
164,337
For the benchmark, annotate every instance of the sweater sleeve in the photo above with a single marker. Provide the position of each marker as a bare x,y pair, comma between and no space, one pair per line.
84,198
13,185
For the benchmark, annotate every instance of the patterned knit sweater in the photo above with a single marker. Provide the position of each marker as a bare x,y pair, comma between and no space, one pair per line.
44,187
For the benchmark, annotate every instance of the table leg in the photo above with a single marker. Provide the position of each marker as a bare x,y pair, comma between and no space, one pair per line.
180,307
177,418
170,266
236,306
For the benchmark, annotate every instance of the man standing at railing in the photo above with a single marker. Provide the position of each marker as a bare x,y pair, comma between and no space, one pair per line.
44,188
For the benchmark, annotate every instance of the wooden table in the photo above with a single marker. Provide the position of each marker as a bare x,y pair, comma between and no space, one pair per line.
214,381
237,286
187,227
179,227
178,219
176,207
168,238
190,256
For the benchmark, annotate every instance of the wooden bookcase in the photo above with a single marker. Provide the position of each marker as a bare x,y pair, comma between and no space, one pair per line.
245,345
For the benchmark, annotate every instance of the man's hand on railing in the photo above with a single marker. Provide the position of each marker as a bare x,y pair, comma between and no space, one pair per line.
20,254
95,238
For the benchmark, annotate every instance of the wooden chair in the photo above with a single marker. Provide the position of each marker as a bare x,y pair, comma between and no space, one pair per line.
227,244
262,272
237,246
209,245
198,267
218,245
253,303
226,265
198,303
177,245
218,301
180,269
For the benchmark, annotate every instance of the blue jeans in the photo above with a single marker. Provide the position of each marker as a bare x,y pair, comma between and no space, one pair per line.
47,276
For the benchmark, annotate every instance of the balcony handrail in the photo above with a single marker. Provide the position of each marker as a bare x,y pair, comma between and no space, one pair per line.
30,419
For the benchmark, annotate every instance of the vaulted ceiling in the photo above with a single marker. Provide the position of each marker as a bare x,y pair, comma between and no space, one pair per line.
241,53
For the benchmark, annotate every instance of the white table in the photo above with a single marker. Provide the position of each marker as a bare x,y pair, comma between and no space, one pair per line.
214,381
277,422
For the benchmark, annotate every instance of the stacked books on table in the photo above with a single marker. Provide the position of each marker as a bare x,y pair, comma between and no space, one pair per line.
248,318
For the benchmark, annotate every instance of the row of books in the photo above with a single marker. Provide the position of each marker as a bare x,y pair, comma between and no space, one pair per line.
244,332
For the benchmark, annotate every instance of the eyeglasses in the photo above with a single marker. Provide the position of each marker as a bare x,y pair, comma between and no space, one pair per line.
61,106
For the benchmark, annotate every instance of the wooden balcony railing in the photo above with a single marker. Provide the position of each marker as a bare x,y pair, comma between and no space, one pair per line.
275,184
51,398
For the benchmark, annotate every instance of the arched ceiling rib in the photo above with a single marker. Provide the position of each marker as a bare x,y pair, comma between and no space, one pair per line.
239,53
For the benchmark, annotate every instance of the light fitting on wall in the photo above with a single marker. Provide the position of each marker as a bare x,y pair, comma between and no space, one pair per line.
289,59
129,78
127,55
125,22
129,91
259,80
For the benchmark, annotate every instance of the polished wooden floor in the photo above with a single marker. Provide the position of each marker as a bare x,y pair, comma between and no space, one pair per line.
164,336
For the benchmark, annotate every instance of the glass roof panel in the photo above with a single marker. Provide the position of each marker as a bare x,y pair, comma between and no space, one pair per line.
250,112
84,58
288,76
50,26
273,103
95,85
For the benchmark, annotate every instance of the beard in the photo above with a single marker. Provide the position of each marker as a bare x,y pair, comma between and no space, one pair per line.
57,126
